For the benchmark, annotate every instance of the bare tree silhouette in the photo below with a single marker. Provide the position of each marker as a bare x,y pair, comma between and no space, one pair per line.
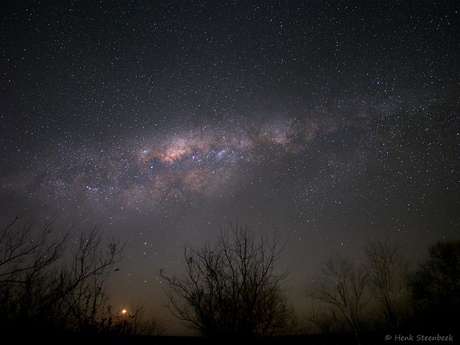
231,288
388,279
44,285
340,286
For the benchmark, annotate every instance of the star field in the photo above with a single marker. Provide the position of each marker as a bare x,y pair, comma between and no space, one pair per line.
334,122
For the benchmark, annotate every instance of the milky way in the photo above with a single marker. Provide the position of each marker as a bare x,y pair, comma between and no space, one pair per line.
199,161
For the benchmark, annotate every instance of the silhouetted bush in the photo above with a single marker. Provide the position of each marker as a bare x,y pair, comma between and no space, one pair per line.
436,288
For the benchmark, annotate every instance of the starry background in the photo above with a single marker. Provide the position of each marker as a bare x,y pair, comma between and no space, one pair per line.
333,122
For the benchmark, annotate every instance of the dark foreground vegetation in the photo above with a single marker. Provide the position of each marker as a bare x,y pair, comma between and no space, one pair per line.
54,291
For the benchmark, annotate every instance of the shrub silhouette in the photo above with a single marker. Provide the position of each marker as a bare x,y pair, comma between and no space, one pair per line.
436,287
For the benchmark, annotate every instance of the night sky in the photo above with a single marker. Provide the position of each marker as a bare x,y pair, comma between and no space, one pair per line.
333,122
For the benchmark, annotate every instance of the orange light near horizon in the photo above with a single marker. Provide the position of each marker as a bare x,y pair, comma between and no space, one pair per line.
124,311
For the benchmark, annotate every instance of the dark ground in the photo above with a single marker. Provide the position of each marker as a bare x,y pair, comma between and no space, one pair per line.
371,338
